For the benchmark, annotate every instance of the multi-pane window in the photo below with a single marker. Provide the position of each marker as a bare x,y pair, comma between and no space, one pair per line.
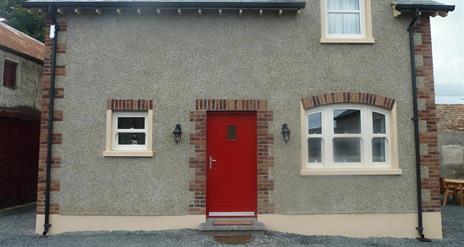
346,21
347,136
9,73
344,17
129,131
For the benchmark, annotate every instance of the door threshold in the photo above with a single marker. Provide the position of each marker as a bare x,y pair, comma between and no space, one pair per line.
232,225
228,222
232,214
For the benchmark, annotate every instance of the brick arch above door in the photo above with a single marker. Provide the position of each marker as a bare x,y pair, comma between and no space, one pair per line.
348,98
197,141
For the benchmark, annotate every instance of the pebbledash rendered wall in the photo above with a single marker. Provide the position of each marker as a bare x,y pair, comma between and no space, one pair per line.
175,60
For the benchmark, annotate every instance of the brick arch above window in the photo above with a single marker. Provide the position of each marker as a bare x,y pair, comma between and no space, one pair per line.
348,98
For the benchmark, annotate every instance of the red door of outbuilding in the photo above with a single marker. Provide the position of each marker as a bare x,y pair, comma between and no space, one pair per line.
19,151
231,164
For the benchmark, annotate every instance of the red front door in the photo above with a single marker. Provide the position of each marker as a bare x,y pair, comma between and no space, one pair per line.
231,164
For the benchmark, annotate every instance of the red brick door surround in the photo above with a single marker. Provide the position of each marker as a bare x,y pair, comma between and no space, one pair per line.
197,140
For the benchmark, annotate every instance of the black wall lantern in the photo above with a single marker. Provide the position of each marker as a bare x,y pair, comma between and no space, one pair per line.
177,133
285,132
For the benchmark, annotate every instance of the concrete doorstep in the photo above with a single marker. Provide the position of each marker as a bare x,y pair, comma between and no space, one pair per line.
232,231
232,225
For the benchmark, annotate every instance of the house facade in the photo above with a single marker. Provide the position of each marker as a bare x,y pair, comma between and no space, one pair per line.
296,114
21,60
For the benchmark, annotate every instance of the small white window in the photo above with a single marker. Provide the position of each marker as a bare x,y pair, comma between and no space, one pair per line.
348,139
129,133
346,21
129,130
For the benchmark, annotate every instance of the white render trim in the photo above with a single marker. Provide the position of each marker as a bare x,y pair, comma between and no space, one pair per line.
76,223
399,225
348,171
128,153
347,40
226,214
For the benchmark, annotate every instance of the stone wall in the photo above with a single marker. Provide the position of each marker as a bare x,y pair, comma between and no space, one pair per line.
450,123
26,94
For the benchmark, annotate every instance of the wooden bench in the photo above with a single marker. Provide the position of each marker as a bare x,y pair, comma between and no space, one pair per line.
452,187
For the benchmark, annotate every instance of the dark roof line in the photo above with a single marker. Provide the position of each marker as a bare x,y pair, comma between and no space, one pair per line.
299,4
424,7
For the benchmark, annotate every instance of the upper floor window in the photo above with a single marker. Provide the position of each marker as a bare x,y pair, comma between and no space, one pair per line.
346,21
344,137
9,73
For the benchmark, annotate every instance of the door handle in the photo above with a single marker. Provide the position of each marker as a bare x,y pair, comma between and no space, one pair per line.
211,160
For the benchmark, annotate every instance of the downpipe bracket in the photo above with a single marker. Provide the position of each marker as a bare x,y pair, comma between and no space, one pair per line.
46,227
422,237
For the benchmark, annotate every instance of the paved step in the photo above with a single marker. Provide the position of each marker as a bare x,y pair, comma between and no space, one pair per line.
232,225
232,222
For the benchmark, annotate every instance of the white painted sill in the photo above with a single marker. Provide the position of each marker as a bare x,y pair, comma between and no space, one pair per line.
347,40
127,153
349,171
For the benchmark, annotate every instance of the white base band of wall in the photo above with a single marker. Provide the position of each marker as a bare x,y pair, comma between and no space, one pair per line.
76,223
351,225
401,225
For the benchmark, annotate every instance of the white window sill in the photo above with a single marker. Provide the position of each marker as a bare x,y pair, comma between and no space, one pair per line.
349,171
128,153
348,40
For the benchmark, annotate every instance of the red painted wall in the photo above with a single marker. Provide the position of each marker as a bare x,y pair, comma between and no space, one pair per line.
19,151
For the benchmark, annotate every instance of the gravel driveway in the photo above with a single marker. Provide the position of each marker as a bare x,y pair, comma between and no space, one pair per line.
16,229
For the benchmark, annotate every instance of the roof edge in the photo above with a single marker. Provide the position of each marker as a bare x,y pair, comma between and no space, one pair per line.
424,7
21,54
300,4
6,25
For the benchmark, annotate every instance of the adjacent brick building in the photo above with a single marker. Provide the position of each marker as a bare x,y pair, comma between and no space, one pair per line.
21,59
450,125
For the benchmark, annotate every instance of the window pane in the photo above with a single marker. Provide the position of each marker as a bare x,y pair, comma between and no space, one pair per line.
343,4
9,73
231,132
314,150
131,123
378,149
131,138
378,123
347,149
314,123
344,23
347,121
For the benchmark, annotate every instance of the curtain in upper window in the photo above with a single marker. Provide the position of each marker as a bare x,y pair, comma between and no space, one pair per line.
344,17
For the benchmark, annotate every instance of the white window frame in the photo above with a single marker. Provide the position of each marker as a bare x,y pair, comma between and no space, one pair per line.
112,148
116,131
327,165
365,35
